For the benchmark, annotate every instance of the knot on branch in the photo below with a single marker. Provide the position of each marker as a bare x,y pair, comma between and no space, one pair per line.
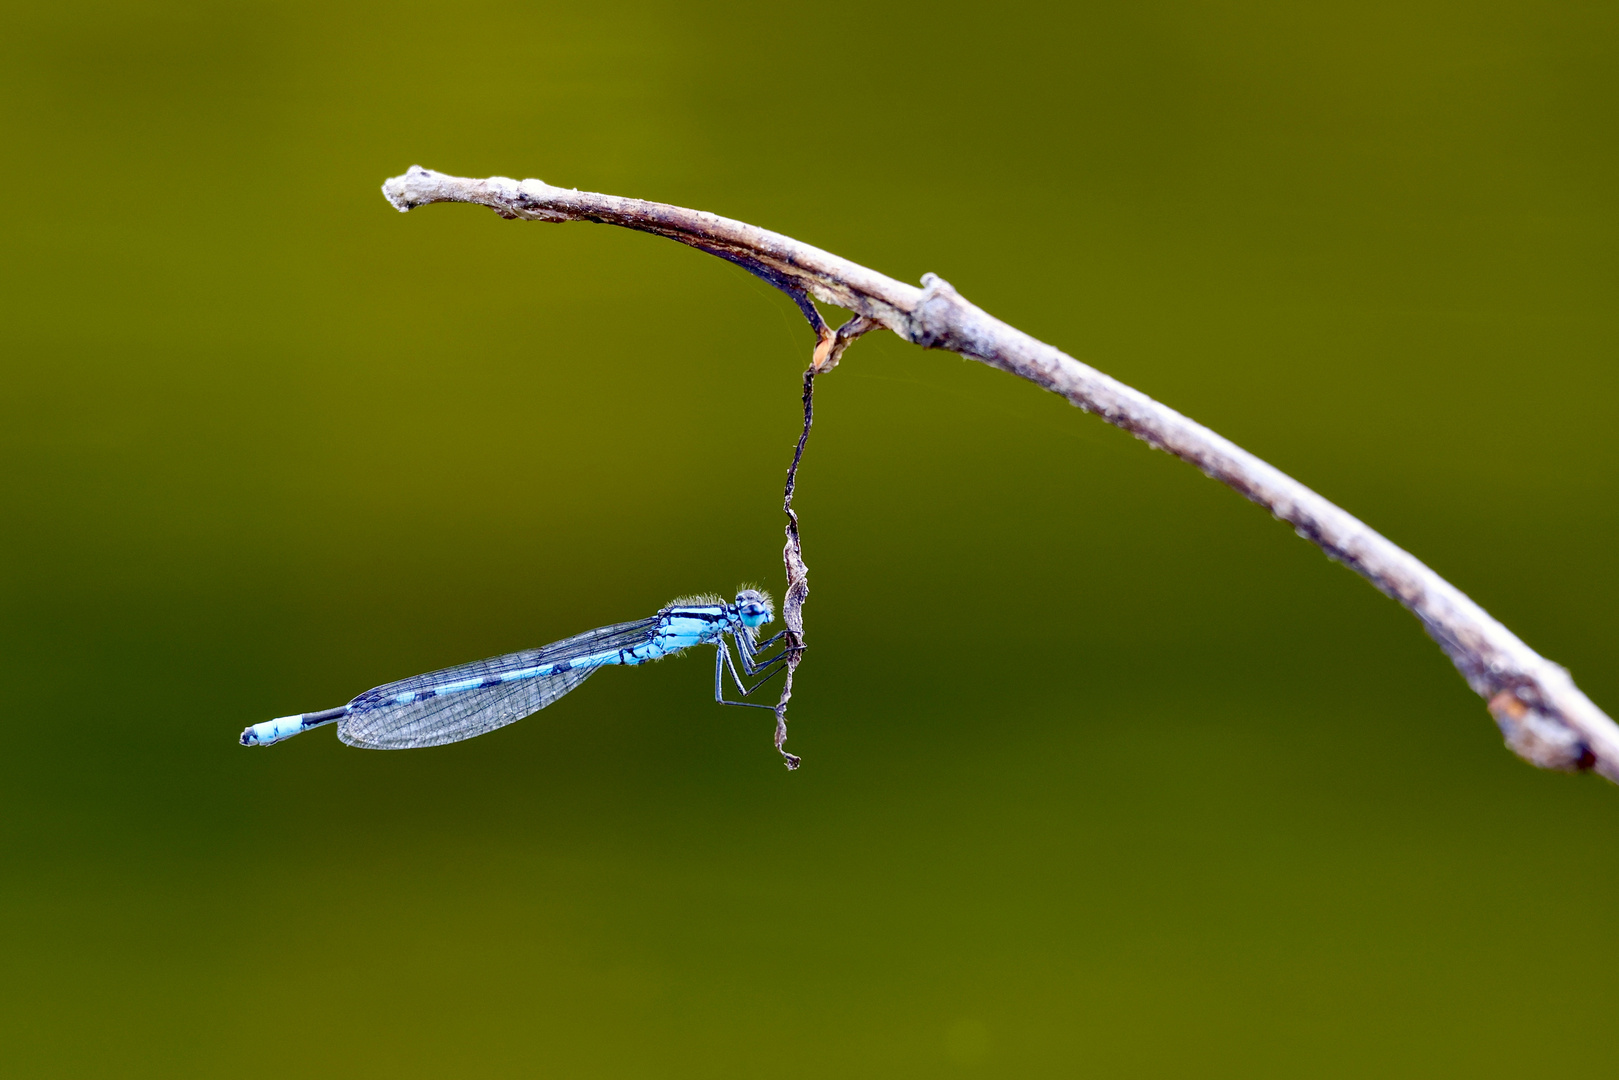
933,320
1539,737
943,319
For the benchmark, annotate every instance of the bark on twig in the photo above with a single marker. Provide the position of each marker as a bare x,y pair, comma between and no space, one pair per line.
1543,716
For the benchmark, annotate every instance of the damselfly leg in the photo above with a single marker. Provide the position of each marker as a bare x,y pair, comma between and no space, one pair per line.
749,653
723,661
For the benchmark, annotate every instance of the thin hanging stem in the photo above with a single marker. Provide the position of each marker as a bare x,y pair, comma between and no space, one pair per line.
792,556
829,349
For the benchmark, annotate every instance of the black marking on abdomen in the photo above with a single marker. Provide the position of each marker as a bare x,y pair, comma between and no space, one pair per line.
491,680
565,665
314,719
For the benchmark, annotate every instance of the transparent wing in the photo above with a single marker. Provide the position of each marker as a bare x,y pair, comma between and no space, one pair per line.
378,722
453,717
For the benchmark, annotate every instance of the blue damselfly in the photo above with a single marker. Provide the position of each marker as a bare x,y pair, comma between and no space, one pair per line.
460,702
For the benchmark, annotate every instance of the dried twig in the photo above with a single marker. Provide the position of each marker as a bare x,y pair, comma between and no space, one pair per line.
1542,714
792,556
829,350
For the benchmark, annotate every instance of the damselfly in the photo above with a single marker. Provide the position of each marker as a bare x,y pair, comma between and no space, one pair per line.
460,702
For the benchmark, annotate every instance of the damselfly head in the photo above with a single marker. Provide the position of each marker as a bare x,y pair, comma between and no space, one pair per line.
753,607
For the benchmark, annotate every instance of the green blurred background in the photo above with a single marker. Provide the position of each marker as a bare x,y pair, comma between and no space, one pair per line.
1105,771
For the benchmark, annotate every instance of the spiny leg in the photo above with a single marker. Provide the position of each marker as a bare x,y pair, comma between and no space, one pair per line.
721,655
722,660
769,670
766,672
761,646
753,665
749,652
